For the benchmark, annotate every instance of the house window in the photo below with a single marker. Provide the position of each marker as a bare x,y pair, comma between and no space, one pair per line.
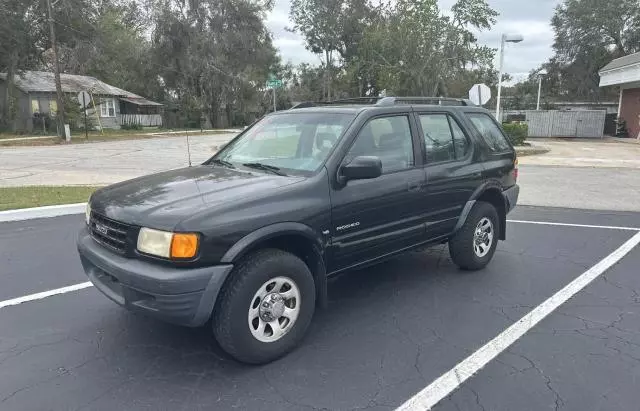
35,106
53,107
107,107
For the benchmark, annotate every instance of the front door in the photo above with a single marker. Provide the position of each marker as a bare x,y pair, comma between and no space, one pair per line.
372,218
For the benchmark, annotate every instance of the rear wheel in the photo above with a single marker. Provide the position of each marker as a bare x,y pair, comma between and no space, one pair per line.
473,246
266,308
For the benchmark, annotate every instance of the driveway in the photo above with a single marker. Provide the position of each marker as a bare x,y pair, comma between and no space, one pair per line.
102,163
608,153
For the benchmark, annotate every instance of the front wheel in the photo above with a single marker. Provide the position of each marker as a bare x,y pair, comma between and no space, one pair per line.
266,308
473,245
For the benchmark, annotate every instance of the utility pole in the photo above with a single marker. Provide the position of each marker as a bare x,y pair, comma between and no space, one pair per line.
56,71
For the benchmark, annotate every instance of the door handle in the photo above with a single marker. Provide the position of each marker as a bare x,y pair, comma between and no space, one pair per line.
413,187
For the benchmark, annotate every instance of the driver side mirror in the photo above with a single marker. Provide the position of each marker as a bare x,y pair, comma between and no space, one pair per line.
361,168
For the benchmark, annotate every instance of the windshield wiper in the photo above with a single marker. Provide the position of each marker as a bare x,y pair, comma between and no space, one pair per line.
265,167
222,163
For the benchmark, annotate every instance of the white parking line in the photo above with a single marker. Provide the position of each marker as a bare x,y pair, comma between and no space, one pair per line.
452,379
604,227
44,294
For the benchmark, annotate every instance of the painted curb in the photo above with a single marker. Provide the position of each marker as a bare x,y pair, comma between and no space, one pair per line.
42,212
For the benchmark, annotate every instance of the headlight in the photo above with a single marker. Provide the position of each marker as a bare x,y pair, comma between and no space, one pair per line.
87,213
166,244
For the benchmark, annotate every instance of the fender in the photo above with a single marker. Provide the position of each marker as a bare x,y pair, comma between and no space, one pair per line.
319,271
489,185
270,231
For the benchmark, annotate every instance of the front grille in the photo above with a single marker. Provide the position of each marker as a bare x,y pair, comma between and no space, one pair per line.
109,233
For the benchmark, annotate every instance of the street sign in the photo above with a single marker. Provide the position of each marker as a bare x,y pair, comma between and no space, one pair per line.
480,94
274,83
84,99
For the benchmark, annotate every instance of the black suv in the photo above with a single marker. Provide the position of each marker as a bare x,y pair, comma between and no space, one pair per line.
248,238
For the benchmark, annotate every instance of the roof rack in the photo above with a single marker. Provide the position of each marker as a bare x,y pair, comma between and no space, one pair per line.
389,101
439,101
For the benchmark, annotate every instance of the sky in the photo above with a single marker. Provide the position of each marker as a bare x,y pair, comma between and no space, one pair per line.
531,18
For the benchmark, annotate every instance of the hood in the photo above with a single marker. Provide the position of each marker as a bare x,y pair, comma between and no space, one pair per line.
162,200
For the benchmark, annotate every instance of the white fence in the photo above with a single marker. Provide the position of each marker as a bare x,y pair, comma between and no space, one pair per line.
578,123
146,120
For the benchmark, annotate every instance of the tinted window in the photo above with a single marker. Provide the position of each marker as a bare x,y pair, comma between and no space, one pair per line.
460,142
443,138
388,138
490,132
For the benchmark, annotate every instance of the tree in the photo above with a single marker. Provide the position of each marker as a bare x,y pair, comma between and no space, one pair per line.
321,24
588,35
213,55
21,31
414,49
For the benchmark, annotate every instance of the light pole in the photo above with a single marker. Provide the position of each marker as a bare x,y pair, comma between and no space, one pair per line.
541,74
506,38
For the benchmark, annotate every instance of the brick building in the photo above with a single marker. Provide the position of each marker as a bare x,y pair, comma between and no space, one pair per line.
625,74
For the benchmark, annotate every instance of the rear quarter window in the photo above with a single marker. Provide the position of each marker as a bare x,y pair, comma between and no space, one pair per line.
490,132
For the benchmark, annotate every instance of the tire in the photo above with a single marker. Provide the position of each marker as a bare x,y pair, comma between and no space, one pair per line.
238,322
462,246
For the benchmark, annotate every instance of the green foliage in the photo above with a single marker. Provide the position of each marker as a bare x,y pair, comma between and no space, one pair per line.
516,132
588,35
74,115
415,49
131,126
217,53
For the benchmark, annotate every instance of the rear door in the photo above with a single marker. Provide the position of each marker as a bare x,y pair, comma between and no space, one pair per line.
451,168
373,218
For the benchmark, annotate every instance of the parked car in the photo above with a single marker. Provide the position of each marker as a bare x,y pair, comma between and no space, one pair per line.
249,238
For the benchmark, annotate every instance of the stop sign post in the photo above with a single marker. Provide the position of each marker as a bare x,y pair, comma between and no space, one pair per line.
480,94
84,99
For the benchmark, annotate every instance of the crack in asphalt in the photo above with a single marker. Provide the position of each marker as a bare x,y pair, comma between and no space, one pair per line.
559,402
29,348
477,397
287,399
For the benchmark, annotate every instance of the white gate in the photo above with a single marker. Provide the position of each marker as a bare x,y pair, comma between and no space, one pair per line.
579,123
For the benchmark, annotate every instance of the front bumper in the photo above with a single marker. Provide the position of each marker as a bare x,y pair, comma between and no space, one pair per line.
511,197
184,296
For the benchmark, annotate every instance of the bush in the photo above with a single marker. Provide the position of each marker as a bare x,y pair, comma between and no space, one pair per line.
131,126
517,132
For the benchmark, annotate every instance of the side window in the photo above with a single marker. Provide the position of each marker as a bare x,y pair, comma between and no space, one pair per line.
460,142
444,139
53,107
389,139
490,132
35,106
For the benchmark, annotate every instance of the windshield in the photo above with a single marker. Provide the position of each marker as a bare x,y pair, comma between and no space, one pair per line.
293,142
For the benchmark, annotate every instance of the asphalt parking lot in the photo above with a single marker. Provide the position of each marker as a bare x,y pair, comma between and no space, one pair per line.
388,333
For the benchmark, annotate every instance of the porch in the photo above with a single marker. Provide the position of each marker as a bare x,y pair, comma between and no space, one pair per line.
140,111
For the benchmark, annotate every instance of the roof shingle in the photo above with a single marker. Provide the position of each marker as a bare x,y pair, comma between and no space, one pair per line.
71,83
622,62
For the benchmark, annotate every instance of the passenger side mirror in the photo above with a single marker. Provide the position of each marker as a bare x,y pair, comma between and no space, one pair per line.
361,168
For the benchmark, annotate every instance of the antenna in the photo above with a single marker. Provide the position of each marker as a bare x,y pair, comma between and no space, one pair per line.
188,147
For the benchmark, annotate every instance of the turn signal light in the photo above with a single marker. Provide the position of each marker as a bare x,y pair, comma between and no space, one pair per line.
184,245
515,170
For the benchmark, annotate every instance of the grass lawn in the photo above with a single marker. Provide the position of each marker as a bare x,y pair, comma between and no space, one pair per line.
36,196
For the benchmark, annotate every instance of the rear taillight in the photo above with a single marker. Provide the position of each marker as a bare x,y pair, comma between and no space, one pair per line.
514,173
